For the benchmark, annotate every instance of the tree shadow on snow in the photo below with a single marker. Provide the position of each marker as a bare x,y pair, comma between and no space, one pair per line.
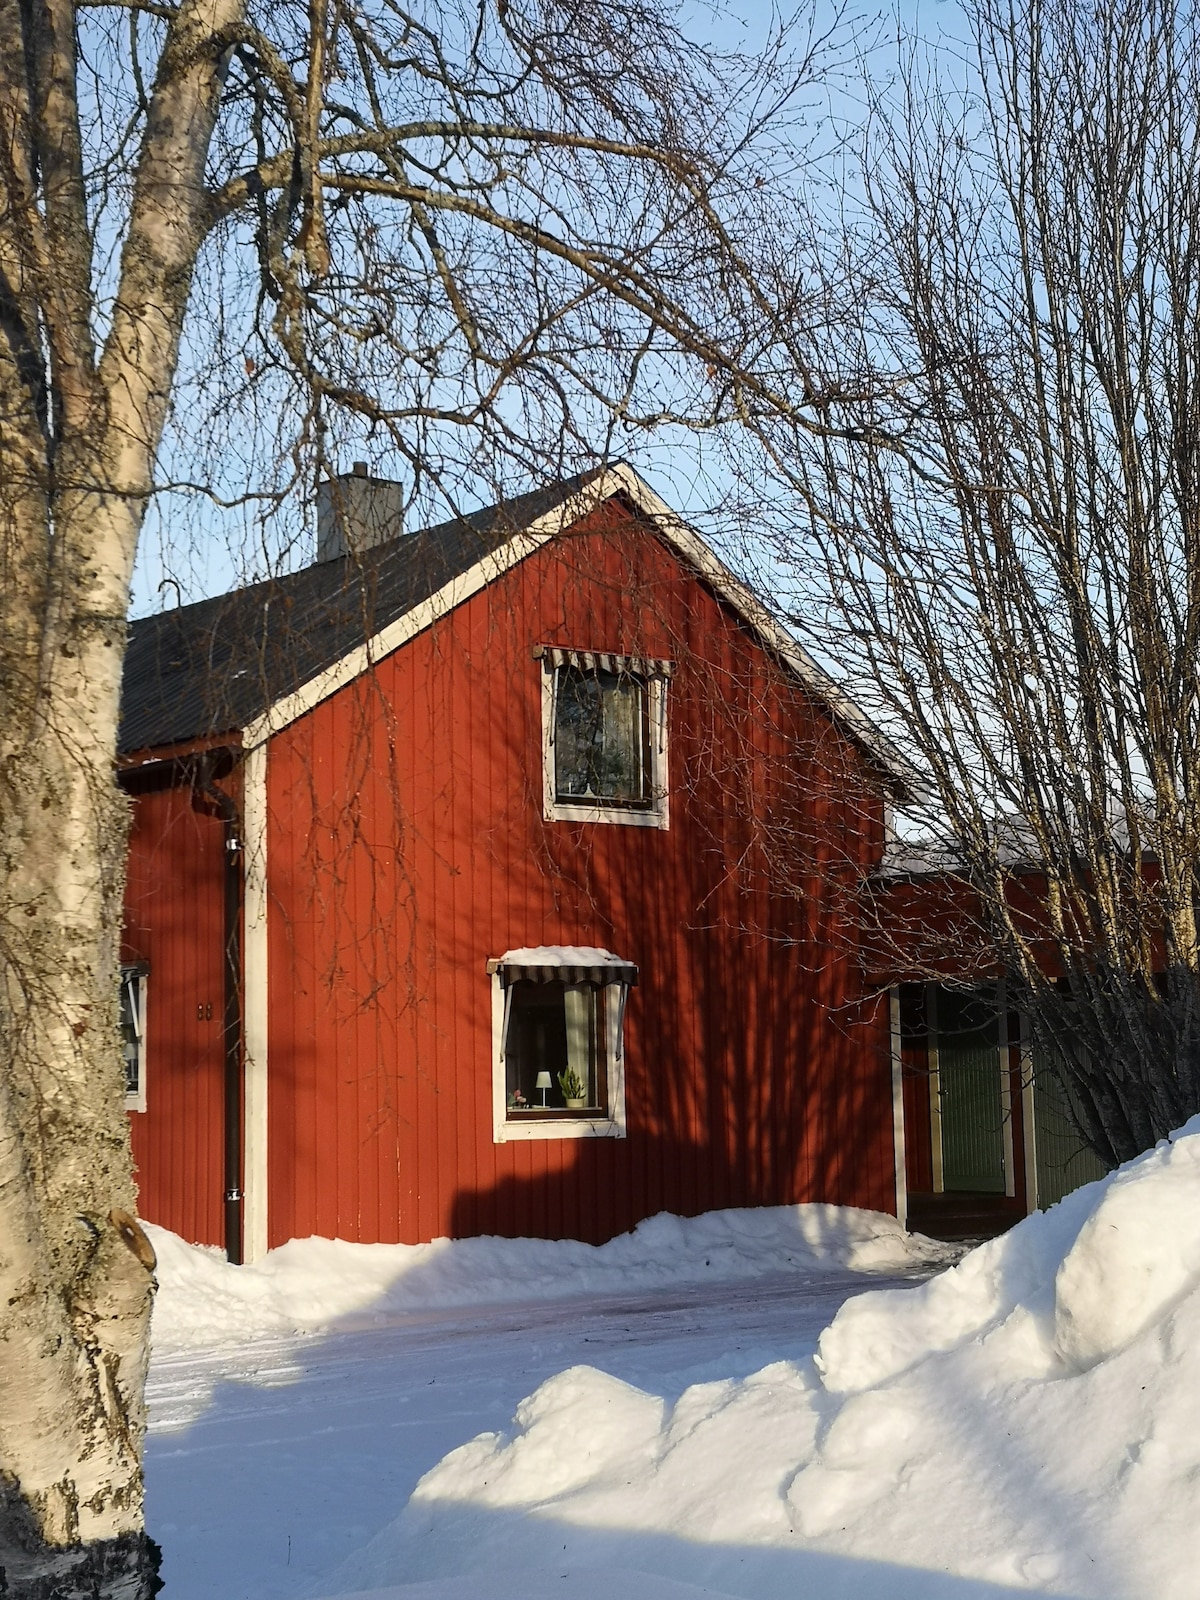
476,1552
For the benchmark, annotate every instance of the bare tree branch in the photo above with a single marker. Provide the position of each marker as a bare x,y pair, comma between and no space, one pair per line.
1007,552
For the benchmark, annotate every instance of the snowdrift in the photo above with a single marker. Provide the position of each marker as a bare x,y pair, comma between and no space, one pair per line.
1029,1420
314,1285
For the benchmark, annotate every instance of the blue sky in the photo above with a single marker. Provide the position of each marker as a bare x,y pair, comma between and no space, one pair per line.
190,550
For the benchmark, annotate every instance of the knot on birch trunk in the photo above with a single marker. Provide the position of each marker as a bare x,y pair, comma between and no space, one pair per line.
133,1235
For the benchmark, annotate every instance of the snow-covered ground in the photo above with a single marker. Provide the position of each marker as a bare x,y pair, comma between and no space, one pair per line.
296,1405
696,1408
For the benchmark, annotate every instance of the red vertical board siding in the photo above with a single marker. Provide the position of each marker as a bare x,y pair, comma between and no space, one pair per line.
406,846
175,921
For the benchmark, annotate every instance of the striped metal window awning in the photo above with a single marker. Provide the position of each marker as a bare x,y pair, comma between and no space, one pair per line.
604,661
599,973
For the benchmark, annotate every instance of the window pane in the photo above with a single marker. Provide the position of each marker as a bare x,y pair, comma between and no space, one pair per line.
553,1028
600,737
131,1030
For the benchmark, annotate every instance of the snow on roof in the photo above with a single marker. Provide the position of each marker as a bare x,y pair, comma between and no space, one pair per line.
561,955
564,963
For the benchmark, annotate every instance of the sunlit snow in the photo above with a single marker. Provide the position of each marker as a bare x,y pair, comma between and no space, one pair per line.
703,1406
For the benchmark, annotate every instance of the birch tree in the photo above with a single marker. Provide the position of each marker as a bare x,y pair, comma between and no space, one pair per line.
479,235
1005,530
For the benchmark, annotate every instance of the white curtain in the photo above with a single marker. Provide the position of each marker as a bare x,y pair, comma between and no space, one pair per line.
579,1000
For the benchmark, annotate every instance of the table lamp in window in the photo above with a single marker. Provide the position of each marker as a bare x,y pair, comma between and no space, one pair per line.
543,1083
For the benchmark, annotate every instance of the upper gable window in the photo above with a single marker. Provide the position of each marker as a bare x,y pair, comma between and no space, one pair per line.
604,731
601,739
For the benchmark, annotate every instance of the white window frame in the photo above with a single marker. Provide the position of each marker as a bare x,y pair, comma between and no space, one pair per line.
654,676
609,1125
138,972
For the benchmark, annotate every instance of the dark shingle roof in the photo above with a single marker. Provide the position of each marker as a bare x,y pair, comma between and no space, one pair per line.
213,667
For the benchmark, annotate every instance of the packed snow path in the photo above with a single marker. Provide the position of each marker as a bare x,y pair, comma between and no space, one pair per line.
703,1406
270,1468
296,1404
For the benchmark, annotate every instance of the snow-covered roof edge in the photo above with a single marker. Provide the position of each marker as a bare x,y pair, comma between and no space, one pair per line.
561,955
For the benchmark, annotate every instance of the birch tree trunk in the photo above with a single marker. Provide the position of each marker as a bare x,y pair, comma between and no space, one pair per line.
79,431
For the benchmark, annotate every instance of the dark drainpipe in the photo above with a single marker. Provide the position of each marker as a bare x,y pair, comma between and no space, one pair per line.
227,811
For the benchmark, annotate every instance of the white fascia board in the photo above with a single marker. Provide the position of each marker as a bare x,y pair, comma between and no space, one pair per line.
620,479
768,629
490,567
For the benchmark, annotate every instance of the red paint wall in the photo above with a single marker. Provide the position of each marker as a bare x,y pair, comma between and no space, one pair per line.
174,919
407,846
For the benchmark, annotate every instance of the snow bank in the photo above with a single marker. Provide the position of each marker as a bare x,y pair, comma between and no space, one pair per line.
1029,1420
311,1285
554,1583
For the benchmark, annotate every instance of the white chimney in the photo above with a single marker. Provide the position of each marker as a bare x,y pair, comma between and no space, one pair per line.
355,512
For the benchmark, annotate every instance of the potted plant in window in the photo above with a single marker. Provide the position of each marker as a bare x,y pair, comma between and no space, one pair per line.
572,1087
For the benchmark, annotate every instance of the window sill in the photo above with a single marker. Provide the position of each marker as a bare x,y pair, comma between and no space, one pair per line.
557,1125
530,1113
655,816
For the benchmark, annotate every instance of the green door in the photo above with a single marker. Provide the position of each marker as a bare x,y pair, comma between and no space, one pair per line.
969,1099
1064,1162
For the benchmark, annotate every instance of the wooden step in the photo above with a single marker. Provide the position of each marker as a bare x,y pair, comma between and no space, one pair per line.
962,1215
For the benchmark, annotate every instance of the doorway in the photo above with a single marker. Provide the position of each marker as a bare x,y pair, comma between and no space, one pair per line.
967,1103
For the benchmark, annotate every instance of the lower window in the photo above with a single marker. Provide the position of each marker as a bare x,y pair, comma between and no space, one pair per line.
558,1051
554,1051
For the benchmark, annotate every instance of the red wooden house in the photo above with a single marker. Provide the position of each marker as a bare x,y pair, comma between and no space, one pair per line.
498,878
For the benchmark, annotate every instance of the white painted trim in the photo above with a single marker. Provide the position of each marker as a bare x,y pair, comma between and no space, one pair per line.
616,999
137,1102
655,815
254,1005
499,1077
612,1126
1028,1118
621,479
1006,1105
898,1107
935,1088
357,661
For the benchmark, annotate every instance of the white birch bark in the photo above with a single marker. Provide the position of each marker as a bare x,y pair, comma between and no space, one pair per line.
78,439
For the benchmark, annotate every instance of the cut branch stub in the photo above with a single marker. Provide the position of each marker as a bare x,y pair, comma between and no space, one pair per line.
134,1237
